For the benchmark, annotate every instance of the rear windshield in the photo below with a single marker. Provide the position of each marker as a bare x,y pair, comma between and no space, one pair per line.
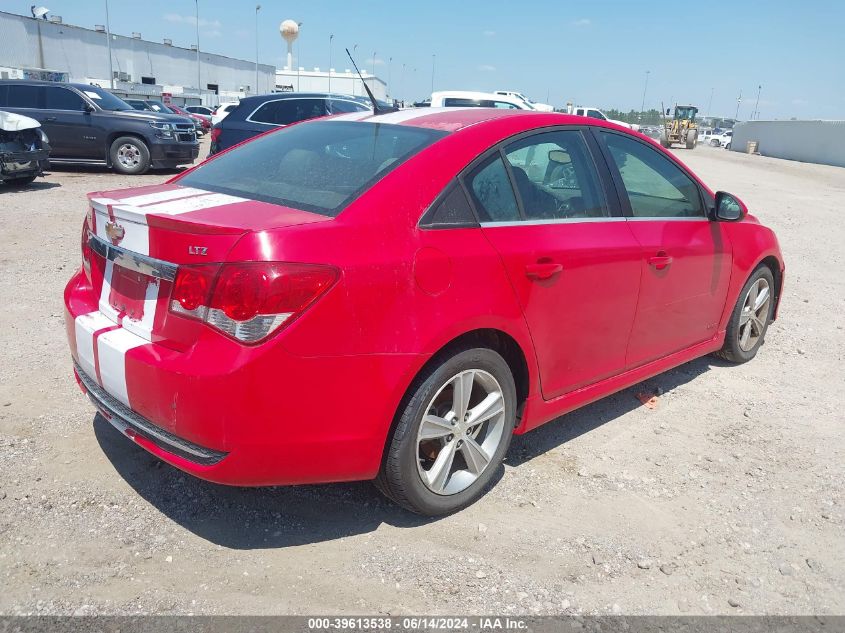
320,166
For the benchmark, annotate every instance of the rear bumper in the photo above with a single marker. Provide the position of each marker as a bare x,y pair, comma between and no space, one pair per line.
238,415
22,164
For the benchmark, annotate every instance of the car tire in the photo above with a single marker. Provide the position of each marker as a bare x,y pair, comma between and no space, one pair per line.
417,456
748,324
727,146
691,140
129,155
714,143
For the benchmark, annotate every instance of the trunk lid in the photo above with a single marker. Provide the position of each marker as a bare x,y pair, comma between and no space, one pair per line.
141,236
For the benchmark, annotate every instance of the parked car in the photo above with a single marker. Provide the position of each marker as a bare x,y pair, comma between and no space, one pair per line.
90,126
201,122
258,114
468,99
392,297
203,110
158,106
705,134
221,112
722,140
542,107
425,103
24,149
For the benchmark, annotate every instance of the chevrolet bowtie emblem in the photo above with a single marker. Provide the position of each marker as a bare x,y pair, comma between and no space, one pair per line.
115,232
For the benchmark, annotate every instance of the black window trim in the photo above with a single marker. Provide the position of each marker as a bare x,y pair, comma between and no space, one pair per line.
325,101
426,222
602,172
621,193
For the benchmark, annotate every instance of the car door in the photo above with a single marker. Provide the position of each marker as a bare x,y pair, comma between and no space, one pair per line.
573,264
70,125
686,258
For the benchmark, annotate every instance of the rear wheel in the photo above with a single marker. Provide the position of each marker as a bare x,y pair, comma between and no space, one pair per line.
750,318
691,140
129,155
452,434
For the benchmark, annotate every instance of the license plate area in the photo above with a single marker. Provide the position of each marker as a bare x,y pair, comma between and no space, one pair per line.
130,290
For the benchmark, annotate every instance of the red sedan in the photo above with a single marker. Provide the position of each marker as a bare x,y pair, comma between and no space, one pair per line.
391,297
204,121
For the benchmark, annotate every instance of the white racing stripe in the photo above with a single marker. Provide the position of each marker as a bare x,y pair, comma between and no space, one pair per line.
105,307
136,236
111,350
353,116
85,326
162,196
186,205
403,115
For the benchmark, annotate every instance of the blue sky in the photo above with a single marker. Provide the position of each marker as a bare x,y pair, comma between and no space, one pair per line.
589,52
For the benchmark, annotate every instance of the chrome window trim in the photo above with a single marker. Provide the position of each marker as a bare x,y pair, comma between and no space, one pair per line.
555,221
653,218
132,261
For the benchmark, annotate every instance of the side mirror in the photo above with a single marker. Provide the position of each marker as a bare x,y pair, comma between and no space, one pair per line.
729,208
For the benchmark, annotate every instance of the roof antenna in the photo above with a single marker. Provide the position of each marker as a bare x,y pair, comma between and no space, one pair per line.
376,108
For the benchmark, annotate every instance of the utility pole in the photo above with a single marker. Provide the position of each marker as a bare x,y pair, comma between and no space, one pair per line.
642,107
331,37
433,57
354,48
108,40
374,63
257,9
389,67
197,16
757,103
710,103
738,102
402,85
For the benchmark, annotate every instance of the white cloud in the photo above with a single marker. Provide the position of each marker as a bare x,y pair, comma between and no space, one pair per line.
192,20
488,33
582,22
487,68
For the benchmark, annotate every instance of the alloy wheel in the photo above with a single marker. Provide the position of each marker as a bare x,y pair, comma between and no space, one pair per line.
129,155
754,314
463,426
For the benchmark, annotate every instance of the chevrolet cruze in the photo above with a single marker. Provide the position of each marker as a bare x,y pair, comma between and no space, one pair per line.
391,297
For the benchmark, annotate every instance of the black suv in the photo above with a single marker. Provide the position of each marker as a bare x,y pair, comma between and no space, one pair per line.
90,126
255,115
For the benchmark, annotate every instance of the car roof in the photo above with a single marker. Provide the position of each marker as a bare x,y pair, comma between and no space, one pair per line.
275,96
454,119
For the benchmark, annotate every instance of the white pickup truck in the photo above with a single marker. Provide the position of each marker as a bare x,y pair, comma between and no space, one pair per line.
595,113
541,107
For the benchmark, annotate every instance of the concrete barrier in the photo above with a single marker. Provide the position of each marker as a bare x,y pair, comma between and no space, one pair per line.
821,142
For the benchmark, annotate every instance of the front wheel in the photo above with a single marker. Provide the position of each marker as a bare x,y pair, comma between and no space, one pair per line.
750,318
129,155
452,434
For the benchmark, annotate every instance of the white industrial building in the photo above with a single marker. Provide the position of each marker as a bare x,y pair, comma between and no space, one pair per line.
316,80
48,49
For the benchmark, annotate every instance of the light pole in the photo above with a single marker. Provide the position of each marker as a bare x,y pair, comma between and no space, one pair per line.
710,103
757,103
389,65
642,107
298,56
354,48
197,18
374,63
331,37
738,102
108,40
257,9
402,85
433,57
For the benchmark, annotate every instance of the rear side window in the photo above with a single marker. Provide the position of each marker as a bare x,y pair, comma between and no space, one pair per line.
287,111
319,167
23,96
63,99
451,211
491,191
338,106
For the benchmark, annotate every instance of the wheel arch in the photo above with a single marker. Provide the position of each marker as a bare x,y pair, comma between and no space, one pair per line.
773,264
491,338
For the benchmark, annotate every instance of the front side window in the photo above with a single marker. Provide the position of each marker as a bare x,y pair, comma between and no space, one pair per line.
656,187
287,111
556,177
63,99
491,191
337,106
595,114
320,166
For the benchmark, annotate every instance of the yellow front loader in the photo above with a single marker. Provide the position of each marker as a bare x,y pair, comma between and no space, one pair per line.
681,128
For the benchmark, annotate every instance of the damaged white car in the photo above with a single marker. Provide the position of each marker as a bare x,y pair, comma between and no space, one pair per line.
24,149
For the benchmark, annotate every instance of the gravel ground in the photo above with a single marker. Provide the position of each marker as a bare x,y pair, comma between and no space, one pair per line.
726,498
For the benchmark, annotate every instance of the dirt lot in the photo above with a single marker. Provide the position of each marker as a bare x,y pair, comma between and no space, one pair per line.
726,498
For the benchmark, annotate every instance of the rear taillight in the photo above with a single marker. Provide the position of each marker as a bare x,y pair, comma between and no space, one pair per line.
249,301
87,253
215,133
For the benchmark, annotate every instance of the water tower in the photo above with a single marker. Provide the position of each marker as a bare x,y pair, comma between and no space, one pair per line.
289,30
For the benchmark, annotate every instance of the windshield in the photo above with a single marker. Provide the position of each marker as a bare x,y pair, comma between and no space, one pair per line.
685,112
320,166
105,100
158,106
